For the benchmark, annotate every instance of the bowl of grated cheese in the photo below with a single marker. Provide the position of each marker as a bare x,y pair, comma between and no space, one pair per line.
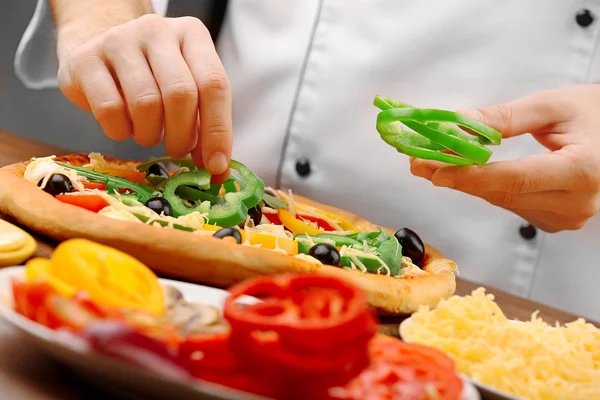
510,359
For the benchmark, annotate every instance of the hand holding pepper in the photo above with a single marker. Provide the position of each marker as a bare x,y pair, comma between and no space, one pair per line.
557,190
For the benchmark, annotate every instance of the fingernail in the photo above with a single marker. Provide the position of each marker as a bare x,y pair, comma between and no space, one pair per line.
217,163
443,182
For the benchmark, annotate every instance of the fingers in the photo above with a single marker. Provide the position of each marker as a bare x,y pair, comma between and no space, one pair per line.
90,74
151,73
140,90
551,222
536,173
531,114
177,87
214,97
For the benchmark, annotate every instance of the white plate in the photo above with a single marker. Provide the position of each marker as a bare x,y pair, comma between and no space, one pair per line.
121,378
488,392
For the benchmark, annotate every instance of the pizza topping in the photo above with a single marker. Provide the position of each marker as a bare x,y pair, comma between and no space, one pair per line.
56,184
228,211
229,232
532,360
325,253
255,214
375,252
434,134
93,203
40,169
295,225
159,169
98,161
185,162
412,245
160,206
113,183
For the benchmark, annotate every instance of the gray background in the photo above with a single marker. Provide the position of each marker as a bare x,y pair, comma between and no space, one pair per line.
46,115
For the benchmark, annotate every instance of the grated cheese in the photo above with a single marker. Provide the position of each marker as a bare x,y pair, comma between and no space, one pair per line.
40,169
529,359
98,161
308,258
308,210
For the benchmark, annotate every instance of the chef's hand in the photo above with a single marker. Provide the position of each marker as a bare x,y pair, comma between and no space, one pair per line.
153,75
558,190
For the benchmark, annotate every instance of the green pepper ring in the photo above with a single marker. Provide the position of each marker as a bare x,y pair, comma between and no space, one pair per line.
432,133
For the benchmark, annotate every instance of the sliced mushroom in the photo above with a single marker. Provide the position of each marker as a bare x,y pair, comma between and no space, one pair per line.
172,296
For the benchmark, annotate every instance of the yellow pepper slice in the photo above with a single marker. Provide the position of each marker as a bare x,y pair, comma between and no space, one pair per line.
108,276
295,225
343,223
38,269
212,228
16,245
271,242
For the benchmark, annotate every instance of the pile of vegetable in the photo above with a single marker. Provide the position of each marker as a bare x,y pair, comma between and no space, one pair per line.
434,134
303,336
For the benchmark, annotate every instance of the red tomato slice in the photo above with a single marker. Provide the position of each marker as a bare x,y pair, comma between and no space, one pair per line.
241,380
130,175
321,223
208,352
59,312
415,376
393,350
89,202
101,186
273,218
30,296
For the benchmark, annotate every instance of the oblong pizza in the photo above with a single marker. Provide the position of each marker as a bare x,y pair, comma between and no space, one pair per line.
168,214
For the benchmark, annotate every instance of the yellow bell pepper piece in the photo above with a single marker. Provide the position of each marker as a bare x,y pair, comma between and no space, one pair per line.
271,242
38,269
212,228
343,223
108,276
295,225
16,245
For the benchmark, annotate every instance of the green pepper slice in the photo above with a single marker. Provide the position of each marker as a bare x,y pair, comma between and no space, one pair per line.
226,212
143,193
434,133
180,162
386,246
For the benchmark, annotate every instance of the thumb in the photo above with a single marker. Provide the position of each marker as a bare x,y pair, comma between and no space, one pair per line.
532,114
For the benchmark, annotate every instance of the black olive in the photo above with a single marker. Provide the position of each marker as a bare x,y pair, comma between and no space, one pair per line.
325,253
412,245
57,184
225,232
159,169
159,205
256,214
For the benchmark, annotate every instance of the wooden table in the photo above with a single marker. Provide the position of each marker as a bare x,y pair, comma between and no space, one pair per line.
26,374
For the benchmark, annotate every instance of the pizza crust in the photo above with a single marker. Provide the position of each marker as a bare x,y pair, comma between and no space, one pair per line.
204,259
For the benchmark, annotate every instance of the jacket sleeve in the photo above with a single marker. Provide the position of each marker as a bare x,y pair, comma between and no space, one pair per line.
35,63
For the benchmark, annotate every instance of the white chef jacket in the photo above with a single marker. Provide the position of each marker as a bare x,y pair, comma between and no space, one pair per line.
304,74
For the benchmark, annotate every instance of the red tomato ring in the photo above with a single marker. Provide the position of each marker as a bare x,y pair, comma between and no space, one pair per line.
409,376
209,352
264,353
295,315
394,350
